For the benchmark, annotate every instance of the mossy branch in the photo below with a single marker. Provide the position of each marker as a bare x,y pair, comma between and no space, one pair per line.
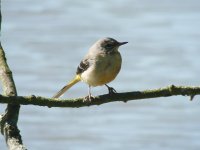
8,121
124,97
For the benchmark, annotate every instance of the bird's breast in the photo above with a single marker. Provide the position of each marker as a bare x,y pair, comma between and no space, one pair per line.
104,70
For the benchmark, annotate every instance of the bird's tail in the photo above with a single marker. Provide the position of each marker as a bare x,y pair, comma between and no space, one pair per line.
66,87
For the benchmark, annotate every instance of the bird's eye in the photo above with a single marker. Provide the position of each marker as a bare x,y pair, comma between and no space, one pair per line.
109,46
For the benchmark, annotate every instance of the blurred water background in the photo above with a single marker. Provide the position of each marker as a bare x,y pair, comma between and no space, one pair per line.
45,41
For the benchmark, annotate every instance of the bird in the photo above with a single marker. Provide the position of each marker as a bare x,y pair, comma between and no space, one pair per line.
100,66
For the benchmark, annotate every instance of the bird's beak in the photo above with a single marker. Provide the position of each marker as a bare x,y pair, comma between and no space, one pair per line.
122,43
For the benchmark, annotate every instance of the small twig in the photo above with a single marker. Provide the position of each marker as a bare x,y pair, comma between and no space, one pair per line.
192,97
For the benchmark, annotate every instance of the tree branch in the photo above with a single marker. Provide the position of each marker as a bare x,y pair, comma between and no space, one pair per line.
79,102
9,120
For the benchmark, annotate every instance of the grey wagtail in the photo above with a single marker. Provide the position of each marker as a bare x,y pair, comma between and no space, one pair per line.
99,67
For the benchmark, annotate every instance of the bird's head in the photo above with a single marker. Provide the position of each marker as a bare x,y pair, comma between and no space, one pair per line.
107,45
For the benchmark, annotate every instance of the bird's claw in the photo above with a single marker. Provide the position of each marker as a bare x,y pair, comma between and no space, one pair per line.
88,98
111,90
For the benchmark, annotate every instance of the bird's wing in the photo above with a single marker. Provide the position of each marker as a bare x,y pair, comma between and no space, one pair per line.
83,66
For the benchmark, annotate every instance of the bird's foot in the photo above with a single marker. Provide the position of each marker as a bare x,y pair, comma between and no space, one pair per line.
88,98
111,90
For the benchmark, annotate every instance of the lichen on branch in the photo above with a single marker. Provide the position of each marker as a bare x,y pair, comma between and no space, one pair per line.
8,120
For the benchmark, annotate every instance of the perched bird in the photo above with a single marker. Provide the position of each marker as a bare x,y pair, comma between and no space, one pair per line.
100,66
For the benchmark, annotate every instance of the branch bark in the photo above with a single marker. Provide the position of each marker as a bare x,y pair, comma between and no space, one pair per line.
9,120
79,102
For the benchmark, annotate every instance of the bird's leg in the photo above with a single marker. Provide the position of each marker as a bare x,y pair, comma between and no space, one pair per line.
111,90
89,93
89,97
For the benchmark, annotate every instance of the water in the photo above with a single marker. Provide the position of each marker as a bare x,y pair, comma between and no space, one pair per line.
45,41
